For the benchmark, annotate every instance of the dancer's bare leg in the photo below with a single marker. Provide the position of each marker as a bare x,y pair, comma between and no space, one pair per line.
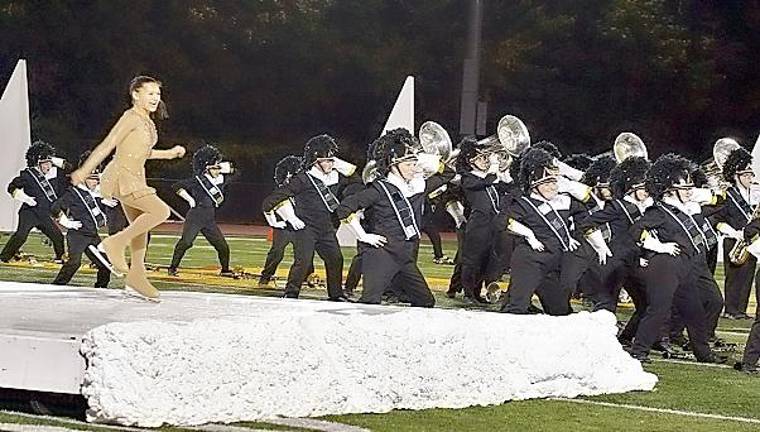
143,214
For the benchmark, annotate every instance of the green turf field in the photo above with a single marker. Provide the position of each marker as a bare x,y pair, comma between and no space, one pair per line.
689,397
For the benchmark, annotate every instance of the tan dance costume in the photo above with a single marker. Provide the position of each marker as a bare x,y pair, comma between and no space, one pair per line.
132,138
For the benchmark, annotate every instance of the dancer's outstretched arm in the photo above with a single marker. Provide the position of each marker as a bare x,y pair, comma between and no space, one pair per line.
121,129
175,152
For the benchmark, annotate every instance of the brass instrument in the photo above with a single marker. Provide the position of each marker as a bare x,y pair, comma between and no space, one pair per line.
510,140
629,144
738,255
713,167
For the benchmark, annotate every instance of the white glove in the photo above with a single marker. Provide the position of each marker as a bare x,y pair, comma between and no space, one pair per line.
273,222
69,223
643,262
493,163
343,167
456,210
429,164
186,196
371,239
226,168
577,190
596,240
527,233
59,162
573,244
729,231
504,176
653,244
566,170
109,202
754,248
287,212
21,196
702,195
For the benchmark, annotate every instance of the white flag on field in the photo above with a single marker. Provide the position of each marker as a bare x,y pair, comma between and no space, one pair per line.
15,138
402,114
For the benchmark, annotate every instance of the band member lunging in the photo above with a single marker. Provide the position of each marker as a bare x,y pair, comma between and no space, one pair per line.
316,191
395,201
204,192
36,187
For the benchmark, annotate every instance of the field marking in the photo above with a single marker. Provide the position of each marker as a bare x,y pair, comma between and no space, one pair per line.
66,420
733,333
20,427
226,428
319,425
693,363
660,410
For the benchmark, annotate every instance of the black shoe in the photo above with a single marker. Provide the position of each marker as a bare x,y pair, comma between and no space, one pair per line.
228,273
340,299
714,358
172,271
751,370
730,316
451,294
100,254
642,358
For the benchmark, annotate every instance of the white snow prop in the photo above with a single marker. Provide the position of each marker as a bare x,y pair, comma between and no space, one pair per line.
308,359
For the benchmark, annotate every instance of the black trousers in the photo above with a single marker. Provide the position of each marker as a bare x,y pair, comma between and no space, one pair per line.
580,270
752,350
672,281
117,220
477,253
712,259
621,270
281,238
738,283
305,242
202,220
29,218
711,298
78,242
394,266
455,282
354,271
638,294
435,238
536,272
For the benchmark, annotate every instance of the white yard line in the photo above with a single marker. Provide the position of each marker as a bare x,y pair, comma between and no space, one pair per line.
17,427
318,425
694,363
65,420
661,410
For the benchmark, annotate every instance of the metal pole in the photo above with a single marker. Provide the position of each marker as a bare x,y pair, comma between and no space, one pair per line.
471,69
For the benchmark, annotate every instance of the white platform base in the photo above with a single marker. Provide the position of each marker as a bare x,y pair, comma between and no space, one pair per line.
201,358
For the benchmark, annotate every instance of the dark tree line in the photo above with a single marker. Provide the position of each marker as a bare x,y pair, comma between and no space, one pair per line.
259,77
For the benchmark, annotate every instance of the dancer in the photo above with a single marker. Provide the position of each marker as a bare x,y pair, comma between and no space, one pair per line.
36,187
132,138
79,210
204,192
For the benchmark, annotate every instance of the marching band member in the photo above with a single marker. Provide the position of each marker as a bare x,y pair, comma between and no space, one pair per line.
478,167
395,201
623,268
282,233
541,218
316,191
79,211
581,269
204,193
751,355
672,274
36,188
735,214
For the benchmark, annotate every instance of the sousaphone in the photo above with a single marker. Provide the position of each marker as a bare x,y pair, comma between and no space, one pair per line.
629,144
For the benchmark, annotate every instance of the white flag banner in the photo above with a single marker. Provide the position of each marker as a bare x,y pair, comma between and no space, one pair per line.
15,136
402,114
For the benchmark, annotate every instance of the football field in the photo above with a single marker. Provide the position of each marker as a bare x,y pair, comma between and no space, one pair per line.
688,397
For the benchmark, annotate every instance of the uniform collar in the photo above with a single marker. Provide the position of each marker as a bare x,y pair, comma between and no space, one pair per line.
408,188
641,205
327,179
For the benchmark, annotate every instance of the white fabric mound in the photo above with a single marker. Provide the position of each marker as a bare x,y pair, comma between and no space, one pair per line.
320,358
